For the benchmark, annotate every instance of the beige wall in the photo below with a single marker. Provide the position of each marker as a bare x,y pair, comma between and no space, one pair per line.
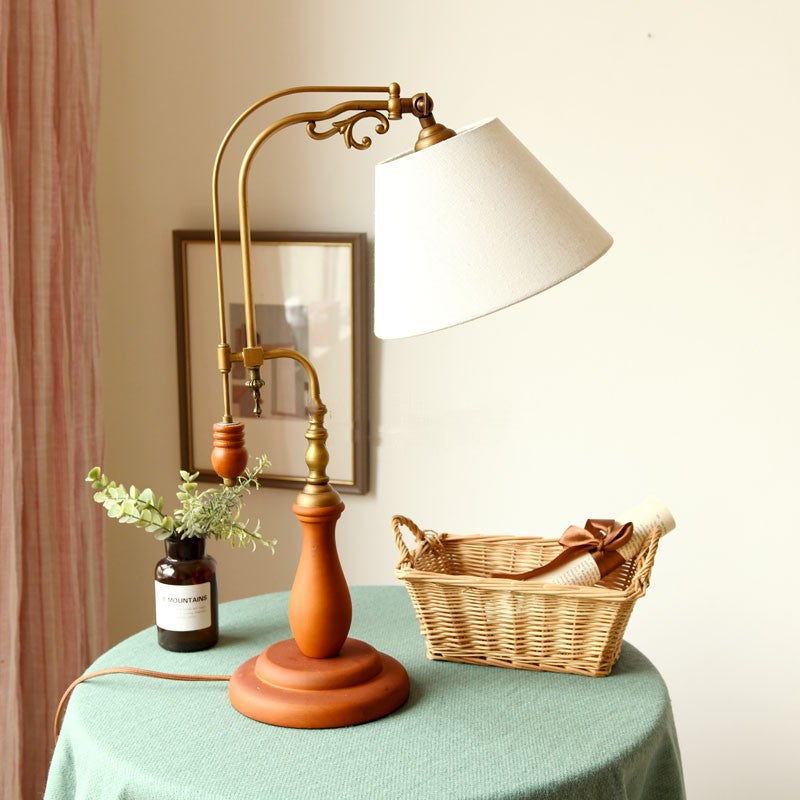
670,367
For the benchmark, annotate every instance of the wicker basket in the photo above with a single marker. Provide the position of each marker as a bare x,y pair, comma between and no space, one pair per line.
467,617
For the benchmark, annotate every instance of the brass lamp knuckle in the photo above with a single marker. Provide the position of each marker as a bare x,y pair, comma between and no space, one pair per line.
432,131
252,357
422,105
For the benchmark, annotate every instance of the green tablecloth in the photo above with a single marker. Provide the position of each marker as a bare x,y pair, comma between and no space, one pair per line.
466,732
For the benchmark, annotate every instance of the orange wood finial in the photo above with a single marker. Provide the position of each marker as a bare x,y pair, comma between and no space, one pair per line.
229,456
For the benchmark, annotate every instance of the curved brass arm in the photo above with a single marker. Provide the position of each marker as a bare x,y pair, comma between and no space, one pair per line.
313,380
420,105
316,492
223,336
309,118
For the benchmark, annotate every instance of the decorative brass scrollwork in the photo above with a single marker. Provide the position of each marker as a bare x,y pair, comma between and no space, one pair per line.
345,128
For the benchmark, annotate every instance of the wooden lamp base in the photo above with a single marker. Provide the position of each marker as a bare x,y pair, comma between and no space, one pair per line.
320,678
283,687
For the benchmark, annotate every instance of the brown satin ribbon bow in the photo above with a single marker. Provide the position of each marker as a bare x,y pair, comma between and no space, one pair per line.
601,538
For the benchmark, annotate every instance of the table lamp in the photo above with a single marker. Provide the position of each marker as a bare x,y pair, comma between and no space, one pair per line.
465,224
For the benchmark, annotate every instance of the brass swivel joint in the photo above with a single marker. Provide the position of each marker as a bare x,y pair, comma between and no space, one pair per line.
432,131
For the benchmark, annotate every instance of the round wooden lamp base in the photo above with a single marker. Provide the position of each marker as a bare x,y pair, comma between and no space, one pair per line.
286,688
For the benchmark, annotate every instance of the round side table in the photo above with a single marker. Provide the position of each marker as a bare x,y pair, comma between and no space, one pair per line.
466,732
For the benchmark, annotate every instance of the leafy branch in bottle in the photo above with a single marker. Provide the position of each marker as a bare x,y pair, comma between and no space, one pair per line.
210,514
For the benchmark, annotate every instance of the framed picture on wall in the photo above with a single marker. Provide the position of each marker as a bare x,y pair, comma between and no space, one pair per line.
310,295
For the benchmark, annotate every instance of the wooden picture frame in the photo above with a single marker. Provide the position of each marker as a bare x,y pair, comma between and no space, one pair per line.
310,294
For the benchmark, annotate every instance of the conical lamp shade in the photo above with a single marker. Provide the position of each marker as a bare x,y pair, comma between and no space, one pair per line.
469,226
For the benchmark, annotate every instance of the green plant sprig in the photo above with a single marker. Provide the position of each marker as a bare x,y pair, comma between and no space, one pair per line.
213,513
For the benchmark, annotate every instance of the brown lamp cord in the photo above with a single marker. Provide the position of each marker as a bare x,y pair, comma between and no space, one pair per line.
148,673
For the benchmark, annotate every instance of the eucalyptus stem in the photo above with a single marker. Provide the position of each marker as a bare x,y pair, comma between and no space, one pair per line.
213,513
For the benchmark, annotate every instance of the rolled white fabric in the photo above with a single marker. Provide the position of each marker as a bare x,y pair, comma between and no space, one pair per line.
647,516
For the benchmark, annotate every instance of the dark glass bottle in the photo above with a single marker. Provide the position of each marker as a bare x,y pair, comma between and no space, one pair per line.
186,596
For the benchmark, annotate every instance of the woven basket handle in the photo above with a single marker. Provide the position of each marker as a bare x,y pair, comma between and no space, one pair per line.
398,523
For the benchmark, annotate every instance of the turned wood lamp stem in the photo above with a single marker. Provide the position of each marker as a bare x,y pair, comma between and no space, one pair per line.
319,605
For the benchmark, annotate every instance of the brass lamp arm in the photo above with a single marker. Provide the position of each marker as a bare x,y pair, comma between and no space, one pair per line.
371,107
281,352
221,152
393,91
223,335
420,105
392,107
316,492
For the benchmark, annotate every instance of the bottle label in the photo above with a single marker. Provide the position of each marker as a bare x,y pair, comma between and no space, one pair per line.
183,608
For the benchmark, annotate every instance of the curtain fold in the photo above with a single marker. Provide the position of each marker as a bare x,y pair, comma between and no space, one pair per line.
52,592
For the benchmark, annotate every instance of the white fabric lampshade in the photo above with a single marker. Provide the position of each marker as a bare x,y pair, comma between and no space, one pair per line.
469,226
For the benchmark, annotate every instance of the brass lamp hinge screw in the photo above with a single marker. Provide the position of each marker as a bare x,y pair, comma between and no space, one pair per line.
422,105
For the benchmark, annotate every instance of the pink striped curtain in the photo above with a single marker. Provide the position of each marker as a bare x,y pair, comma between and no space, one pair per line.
52,593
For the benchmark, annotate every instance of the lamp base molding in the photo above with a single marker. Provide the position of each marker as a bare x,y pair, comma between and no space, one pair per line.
283,687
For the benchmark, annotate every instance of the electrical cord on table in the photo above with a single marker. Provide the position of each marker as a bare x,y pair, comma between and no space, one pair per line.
148,673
